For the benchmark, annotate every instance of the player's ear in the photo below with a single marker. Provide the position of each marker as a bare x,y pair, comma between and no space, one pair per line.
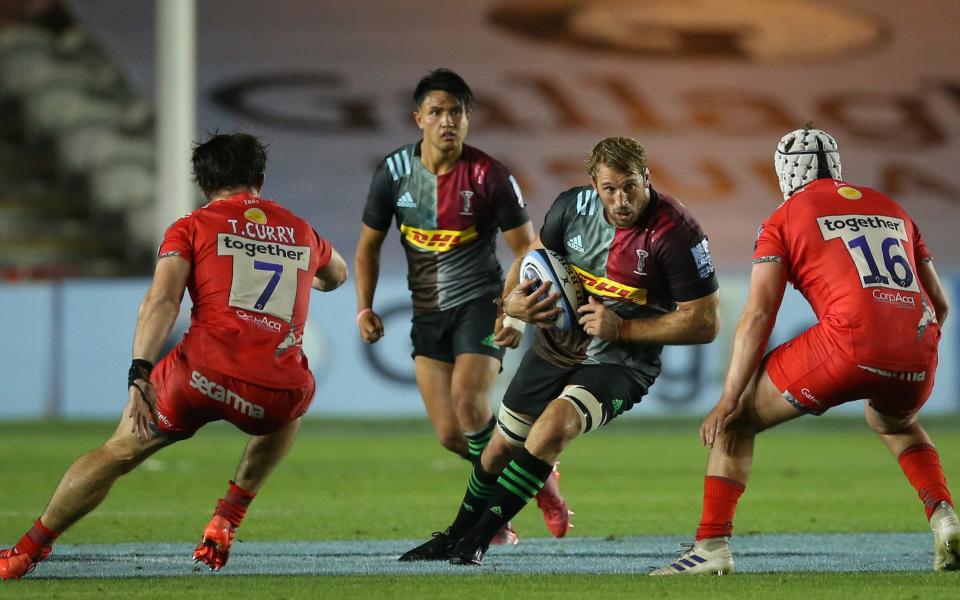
417,118
646,177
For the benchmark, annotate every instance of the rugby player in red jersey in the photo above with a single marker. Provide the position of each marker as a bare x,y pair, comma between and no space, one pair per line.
859,260
645,264
249,265
448,200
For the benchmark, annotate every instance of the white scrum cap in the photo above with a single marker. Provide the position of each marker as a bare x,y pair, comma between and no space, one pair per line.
803,156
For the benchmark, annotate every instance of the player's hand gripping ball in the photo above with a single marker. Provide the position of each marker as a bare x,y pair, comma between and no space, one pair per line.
545,265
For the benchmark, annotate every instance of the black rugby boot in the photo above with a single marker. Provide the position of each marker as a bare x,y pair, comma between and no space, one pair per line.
438,547
468,551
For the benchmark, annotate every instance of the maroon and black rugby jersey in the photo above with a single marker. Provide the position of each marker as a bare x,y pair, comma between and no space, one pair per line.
641,271
448,223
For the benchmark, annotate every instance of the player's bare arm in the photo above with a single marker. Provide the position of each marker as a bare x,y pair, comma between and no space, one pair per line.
767,282
366,266
158,313
332,275
694,322
509,331
931,283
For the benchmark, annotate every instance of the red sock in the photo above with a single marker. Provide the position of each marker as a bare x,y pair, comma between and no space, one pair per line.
233,506
36,542
720,497
921,465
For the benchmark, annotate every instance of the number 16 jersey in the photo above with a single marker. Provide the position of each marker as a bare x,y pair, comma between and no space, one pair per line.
853,252
252,264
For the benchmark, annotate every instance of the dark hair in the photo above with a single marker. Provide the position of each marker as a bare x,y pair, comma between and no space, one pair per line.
447,81
228,160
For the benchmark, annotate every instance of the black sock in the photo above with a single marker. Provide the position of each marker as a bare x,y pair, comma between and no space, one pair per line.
516,486
477,441
479,488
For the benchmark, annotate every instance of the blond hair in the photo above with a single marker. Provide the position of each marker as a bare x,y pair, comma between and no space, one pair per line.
622,154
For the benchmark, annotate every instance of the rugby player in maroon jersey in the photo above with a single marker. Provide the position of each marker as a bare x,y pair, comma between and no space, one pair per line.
645,265
448,200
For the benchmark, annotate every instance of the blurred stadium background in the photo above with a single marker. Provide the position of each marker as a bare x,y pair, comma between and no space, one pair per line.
707,85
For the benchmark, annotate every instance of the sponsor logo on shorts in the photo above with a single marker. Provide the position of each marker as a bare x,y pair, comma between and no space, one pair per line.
261,321
437,240
166,422
809,396
576,243
601,286
215,391
895,298
488,341
914,376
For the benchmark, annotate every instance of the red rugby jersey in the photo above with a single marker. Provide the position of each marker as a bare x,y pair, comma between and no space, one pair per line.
252,264
853,252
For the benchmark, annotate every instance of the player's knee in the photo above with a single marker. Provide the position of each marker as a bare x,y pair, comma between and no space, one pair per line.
746,424
471,405
122,454
452,441
889,425
513,426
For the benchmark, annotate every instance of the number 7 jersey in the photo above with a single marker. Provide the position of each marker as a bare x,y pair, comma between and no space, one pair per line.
853,252
252,265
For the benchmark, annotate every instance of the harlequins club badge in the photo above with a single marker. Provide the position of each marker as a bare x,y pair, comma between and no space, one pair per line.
467,209
641,259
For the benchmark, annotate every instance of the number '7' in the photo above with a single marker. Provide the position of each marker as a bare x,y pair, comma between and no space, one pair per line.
271,285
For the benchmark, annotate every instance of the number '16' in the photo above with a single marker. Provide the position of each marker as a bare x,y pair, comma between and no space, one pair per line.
891,261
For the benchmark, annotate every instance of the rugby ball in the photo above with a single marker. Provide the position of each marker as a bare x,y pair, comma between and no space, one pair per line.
545,265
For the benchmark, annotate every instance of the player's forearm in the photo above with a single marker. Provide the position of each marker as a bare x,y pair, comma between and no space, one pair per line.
513,277
677,328
931,284
154,323
753,332
366,267
332,275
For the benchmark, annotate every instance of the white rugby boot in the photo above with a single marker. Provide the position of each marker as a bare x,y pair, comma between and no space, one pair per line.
709,556
946,538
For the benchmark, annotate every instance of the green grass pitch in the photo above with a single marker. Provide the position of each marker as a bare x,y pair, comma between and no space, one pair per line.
377,480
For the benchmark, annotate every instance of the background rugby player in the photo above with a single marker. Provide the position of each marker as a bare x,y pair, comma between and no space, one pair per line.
645,264
249,265
448,200
859,260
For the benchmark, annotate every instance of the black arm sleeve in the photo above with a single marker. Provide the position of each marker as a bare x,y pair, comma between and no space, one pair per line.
685,258
378,212
551,234
508,203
